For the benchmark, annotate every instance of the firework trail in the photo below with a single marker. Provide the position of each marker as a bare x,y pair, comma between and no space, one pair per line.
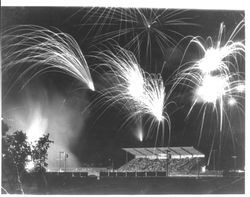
44,51
142,28
215,78
137,91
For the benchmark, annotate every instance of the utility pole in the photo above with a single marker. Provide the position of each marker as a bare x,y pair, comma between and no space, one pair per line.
64,162
59,162
219,163
65,158
167,163
198,167
112,165
214,159
61,158
234,159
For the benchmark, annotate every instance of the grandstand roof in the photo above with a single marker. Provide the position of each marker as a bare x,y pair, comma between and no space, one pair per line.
158,151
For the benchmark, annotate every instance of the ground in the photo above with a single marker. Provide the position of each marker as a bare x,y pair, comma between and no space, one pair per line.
132,185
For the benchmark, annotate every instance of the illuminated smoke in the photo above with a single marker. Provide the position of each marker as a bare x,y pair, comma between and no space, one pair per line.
53,114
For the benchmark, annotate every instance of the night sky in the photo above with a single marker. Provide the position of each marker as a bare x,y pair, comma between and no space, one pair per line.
80,128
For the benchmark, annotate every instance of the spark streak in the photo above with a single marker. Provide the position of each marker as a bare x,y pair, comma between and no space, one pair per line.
142,28
45,51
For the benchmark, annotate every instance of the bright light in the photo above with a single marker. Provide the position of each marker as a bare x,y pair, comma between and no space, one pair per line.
240,88
155,96
218,57
216,77
135,83
142,92
211,61
35,130
157,112
212,88
140,135
91,85
232,101
29,165
37,127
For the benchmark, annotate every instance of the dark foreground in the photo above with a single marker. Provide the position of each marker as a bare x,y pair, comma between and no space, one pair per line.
133,185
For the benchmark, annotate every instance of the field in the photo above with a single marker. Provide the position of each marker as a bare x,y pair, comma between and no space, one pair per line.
136,185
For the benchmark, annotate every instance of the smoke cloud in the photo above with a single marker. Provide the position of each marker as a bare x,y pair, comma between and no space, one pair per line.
38,109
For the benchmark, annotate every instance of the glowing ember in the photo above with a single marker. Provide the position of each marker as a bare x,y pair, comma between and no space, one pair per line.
232,101
212,88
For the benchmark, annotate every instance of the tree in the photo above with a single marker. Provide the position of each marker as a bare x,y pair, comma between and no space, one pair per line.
39,155
16,152
39,152
14,155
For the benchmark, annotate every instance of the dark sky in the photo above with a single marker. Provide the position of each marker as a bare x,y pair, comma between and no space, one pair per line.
100,137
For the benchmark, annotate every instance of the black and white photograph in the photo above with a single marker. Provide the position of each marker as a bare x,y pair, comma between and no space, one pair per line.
122,100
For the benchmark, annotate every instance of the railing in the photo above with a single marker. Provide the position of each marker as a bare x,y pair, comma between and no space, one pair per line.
68,174
140,174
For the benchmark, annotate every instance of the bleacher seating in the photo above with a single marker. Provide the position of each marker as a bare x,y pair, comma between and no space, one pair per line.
173,166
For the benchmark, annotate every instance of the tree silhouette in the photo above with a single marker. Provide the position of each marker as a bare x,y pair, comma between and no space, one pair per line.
39,155
16,151
14,155
40,152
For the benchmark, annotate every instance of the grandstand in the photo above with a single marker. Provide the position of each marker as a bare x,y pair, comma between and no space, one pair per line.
163,152
171,160
149,162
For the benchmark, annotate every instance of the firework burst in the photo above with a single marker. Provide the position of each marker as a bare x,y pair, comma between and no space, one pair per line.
139,92
220,58
44,51
215,78
142,28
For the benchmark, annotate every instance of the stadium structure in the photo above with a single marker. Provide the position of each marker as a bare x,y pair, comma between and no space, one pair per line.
161,161
150,162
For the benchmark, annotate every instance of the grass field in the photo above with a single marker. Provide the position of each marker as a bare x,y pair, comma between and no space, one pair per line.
142,185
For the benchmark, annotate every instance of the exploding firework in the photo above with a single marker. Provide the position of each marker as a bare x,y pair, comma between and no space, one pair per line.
220,58
139,92
215,78
217,57
44,51
206,91
142,28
